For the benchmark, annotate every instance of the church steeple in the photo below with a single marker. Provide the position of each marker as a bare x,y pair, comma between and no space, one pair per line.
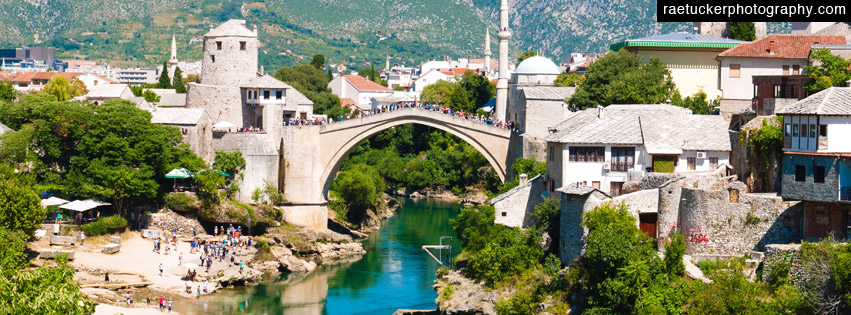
173,59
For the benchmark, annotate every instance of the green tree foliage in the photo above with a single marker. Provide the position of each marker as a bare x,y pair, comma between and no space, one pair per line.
743,31
62,89
697,103
675,249
469,94
529,166
141,91
78,88
565,80
765,143
479,89
105,225
12,256
547,218
178,84
313,83
459,100
438,93
826,70
620,78
20,207
318,61
526,55
7,91
165,81
229,162
360,187
372,75
329,75
209,182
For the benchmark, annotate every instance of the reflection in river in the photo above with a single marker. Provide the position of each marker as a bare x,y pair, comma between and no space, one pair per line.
395,273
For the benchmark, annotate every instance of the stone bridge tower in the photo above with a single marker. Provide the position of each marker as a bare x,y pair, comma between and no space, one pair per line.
229,55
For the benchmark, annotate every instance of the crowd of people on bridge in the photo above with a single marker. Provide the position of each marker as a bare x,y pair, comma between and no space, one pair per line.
484,119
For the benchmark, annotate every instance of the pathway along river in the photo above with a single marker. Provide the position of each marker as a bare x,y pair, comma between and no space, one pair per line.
394,274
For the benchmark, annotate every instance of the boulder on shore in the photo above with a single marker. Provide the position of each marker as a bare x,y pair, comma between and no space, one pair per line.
62,240
111,248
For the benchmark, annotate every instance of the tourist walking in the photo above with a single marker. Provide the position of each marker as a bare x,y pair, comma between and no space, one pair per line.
161,269
162,303
169,304
106,277
82,237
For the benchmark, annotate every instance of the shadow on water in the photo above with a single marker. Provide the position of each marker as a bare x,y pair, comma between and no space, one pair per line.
395,273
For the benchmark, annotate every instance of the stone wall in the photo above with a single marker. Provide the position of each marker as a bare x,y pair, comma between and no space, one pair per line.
727,221
172,220
515,207
262,159
808,189
222,103
573,235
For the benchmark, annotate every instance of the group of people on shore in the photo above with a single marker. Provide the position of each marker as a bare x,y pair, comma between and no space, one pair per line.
484,119
164,305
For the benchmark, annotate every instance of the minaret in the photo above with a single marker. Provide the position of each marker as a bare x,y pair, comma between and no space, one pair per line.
487,52
502,84
173,60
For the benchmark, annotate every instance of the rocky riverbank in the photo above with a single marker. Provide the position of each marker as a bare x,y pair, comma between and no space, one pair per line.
473,196
457,294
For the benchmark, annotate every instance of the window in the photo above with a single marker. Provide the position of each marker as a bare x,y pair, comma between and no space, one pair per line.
785,69
794,91
823,130
595,184
812,130
241,45
213,58
788,130
550,154
279,94
713,163
803,130
587,154
691,163
756,90
734,195
505,214
794,130
777,90
615,188
818,174
800,173
219,45
735,70
796,70
266,95
622,159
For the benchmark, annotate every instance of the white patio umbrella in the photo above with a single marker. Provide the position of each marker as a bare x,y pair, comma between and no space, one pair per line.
53,201
223,125
79,205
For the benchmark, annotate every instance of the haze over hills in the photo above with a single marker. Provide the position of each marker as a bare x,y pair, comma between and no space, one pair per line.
353,32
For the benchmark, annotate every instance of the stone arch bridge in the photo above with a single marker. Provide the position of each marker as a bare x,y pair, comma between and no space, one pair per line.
310,156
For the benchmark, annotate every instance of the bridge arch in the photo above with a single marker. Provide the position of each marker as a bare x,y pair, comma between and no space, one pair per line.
338,140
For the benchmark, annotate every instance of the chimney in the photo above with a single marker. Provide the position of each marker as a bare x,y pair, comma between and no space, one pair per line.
848,83
771,50
255,30
262,71
600,112
523,180
154,106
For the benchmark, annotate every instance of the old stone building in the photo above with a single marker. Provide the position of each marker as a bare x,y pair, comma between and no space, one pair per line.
537,109
516,206
195,126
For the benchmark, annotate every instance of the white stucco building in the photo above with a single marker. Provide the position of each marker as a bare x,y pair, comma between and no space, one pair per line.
431,78
606,147
358,89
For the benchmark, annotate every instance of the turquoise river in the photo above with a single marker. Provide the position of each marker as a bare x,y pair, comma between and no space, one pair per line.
394,274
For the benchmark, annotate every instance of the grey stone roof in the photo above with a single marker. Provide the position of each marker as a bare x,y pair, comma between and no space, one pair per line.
687,37
231,28
514,190
4,128
548,93
295,97
579,190
834,101
107,91
660,127
177,116
172,100
162,92
266,82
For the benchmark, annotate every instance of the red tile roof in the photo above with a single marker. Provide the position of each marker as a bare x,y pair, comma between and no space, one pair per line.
449,73
363,84
785,46
24,77
344,102
460,71
49,75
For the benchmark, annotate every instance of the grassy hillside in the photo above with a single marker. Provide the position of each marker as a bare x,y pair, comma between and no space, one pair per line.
354,32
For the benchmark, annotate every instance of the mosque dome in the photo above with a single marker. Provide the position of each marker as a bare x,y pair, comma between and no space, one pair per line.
537,65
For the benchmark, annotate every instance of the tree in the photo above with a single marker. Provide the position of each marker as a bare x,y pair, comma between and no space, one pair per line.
20,207
697,103
313,84
165,81
7,91
826,70
360,187
743,31
620,78
459,100
526,55
329,75
675,249
568,80
209,182
229,162
78,88
438,93
179,85
318,61
60,87
479,89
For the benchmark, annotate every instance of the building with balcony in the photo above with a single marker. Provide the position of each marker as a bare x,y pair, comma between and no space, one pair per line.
817,161
606,147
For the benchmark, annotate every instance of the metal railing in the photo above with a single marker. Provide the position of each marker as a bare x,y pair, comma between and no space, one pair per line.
620,166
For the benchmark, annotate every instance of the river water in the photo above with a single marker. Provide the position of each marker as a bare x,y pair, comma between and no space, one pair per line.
394,274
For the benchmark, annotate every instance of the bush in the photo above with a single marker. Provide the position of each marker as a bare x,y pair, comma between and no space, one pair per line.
675,249
106,225
182,202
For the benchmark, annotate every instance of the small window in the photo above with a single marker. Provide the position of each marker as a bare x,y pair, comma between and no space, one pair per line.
794,130
756,90
813,131
785,69
279,94
219,45
713,163
505,214
691,163
796,70
551,154
794,91
777,90
818,174
823,130
788,130
803,130
800,173
213,58
266,95
734,195
615,188
241,45
595,184
735,70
